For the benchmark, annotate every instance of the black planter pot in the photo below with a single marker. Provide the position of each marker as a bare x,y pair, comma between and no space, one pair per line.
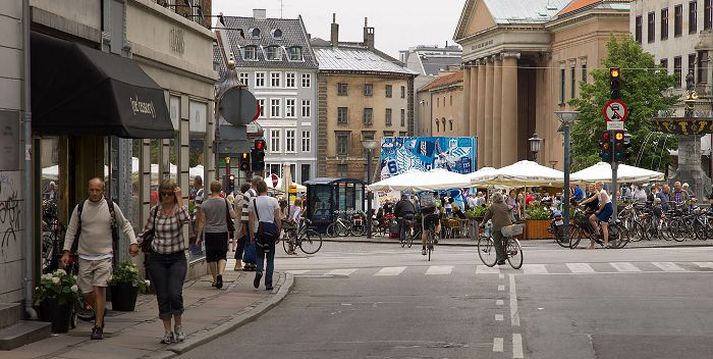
123,297
60,315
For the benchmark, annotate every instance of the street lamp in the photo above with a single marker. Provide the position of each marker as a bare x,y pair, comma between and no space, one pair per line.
369,145
567,119
535,144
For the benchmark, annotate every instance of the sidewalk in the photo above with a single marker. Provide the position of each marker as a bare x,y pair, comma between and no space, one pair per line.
209,313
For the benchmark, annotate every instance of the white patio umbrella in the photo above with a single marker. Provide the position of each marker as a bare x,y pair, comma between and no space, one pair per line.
482,175
625,173
526,174
438,179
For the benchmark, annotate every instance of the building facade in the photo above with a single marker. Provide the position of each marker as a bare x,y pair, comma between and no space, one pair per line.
440,107
521,66
363,95
276,62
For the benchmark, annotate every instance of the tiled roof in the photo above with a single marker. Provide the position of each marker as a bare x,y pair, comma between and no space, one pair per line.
293,34
577,5
433,65
524,11
355,58
444,80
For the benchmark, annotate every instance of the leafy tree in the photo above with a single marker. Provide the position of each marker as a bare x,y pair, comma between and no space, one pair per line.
645,88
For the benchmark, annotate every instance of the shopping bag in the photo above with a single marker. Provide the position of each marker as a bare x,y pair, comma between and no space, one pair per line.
250,255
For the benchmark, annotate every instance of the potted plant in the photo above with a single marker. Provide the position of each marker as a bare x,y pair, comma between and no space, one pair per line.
537,222
54,297
125,285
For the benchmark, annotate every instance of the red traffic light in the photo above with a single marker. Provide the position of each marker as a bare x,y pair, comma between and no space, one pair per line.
605,136
231,178
260,145
614,72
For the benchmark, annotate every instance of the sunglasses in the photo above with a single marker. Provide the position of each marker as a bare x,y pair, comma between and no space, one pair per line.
168,193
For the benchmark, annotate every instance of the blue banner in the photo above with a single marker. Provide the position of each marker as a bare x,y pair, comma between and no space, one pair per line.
401,154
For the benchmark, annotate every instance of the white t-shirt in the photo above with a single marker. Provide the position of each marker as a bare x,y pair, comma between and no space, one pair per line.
266,207
604,197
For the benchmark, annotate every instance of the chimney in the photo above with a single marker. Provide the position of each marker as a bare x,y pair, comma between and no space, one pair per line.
334,38
260,14
368,35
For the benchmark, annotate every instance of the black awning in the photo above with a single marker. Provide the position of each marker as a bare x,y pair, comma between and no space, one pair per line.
77,90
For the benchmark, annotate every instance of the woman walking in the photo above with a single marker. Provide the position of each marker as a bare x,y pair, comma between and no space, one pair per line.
167,261
214,216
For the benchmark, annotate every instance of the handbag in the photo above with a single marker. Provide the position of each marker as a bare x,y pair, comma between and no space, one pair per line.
149,235
250,255
266,232
229,220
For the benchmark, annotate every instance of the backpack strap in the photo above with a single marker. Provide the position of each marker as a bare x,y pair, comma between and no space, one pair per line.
114,227
75,244
257,214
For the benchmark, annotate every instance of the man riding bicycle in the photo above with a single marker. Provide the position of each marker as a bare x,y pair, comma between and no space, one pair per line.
404,211
430,219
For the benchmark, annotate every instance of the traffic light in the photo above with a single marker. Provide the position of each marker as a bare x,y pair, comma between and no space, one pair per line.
619,147
605,148
245,161
257,155
615,83
230,188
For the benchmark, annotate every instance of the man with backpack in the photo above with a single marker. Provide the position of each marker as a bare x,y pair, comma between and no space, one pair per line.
92,233
264,224
429,218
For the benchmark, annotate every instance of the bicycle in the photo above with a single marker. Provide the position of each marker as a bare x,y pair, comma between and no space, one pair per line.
308,240
339,228
431,236
405,236
582,228
513,250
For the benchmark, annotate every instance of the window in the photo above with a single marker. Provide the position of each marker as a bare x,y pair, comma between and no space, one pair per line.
244,78
707,15
250,53
259,79
290,140
342,89
389,91
295,53
275,140
691,64
438,125
305,173
306,108
255,32
438,101
342,143
275,78
306,142
451,101
388,133
275,106
306,80
638,30
692,17
342,115
272,53
572,81
291,80
290,107
261,103
677,20
664,64
702,69
403,134
368,90
562,91
274,168
677,71
403,91
584,70
388,117
368,116
403,117
342,170
651,29
664,24
450,125
277,33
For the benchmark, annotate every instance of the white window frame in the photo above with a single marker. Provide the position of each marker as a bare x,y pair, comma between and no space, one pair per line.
274,79
275,107
244,78
290,77
260,75
275,141
290,141
306,109
255,50
291,107
198,116
306,80
306,141
262,102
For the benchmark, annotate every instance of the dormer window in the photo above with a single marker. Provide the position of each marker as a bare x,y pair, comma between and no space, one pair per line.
277,33
255,33
250,53
295,53
273,53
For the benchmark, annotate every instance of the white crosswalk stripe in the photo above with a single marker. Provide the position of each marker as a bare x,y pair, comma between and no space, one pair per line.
625,267
534,268
668,266
342,272
389,271
704,264
580,268
439,270
297,272
483,269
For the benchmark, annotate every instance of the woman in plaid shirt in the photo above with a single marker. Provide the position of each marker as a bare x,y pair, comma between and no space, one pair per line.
167,262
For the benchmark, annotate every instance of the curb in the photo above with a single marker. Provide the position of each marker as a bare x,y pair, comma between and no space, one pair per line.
393,242
474,243
246,316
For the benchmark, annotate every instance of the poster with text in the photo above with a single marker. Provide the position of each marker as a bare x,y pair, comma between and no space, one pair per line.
401,154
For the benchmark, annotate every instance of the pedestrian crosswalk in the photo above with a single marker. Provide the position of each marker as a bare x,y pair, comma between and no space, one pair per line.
527,269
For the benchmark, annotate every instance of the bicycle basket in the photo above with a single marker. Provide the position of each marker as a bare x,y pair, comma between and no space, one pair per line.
512,230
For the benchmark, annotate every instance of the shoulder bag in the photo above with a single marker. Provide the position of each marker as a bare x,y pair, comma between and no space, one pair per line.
266,232
229,220
149,235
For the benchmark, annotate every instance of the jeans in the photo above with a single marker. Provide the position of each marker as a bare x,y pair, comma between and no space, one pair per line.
499,249
240,248
270,255
168,272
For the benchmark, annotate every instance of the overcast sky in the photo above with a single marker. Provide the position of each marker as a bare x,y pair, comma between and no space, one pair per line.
399,24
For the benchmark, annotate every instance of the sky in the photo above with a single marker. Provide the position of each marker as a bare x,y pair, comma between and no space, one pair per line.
398,24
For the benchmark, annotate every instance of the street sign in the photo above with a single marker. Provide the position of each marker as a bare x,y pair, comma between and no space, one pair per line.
238,106
615,125
615,111
274,180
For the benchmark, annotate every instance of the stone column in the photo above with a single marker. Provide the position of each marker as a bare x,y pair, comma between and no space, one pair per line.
509,123
497,111
473,106
466,99
488,130
480,132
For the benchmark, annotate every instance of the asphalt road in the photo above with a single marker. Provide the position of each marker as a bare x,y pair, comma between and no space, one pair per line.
380,301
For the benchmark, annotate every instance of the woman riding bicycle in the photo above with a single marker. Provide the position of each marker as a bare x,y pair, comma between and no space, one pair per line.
499,212
602,214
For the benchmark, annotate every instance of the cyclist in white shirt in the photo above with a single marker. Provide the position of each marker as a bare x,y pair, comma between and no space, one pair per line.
606,209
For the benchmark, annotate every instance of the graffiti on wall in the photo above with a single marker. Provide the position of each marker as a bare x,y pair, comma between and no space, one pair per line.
9,213
400,154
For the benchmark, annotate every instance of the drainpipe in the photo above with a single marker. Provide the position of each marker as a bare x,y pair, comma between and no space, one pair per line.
28,202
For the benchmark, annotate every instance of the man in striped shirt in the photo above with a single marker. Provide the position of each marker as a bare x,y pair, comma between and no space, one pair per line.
242,200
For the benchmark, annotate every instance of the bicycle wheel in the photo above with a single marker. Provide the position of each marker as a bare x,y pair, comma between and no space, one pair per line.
677,230
636,231
618,237
575,236
409,239
310,242
358,231
486,251
286,243
514,253
330,232
341,230
559,233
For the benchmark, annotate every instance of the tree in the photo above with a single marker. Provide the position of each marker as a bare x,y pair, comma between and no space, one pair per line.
645,88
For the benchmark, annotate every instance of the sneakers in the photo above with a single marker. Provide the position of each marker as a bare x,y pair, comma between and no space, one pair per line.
180,336
256,281
219,282
97,333
167,338
423,252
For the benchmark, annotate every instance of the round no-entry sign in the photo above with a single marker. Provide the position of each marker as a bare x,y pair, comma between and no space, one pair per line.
616,111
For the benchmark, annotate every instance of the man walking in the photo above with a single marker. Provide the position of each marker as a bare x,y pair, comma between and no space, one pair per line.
92,224
264,210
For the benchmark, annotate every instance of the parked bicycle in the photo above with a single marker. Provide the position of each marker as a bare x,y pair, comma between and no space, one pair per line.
513,250
308,240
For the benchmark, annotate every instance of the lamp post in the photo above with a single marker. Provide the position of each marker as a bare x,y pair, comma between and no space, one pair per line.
567,119
369,145
535,144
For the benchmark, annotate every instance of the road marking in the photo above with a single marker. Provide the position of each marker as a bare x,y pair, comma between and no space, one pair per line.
534,268
342,272
389,271
625,267
486,270
498,345
580,268
517,346
668,266
501,276
297,272
439,270
514,314
498,317
501,287
704,264
499,302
